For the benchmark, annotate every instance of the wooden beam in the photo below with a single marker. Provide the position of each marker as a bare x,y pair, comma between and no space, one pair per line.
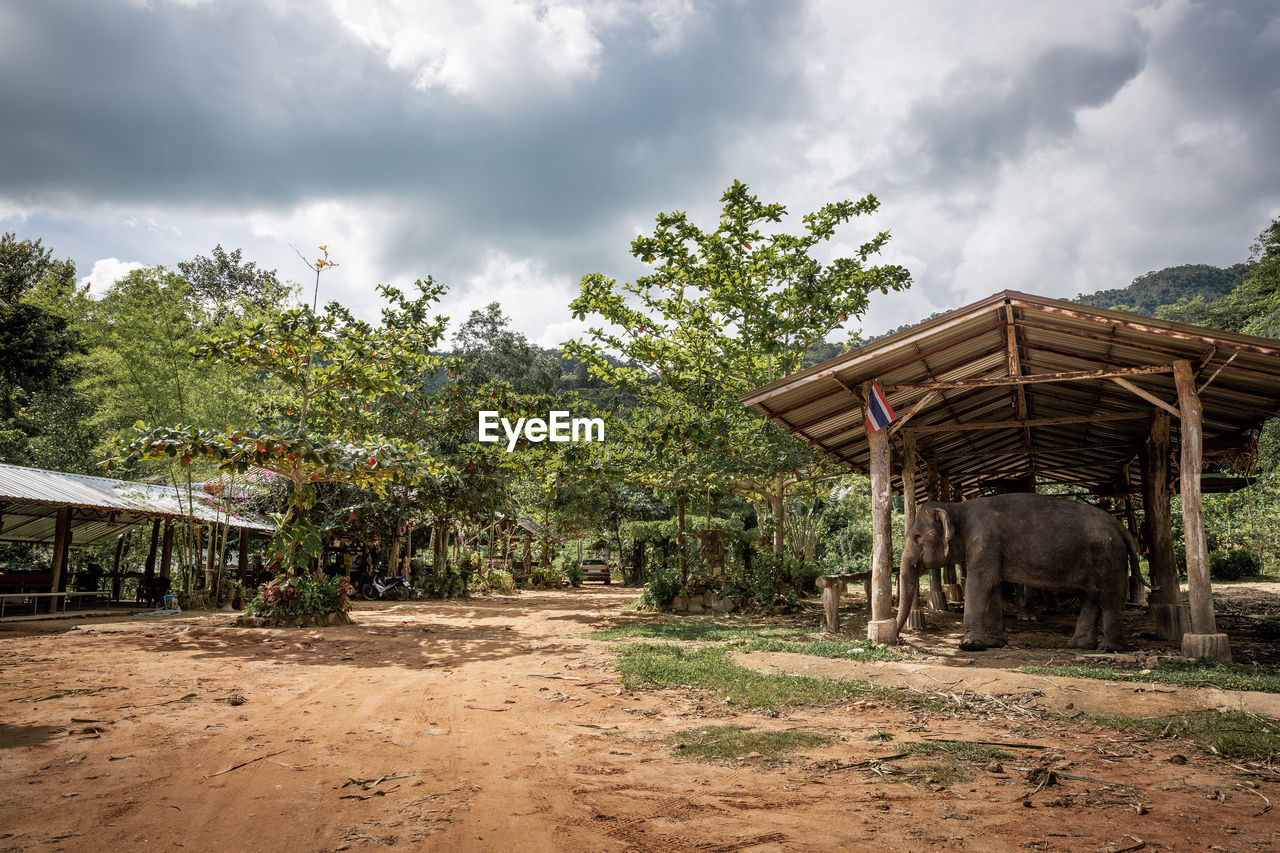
149,568
1071,419
1216,372
920,404
166,549
61,544
786,384
1016,451
1146,395
1079,334
1204,639
882,627
1136,325
1065,376
1014,364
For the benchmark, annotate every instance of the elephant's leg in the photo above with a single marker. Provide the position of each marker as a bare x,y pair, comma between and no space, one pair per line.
1025,612
995,616
981,590
1086,635
1112,606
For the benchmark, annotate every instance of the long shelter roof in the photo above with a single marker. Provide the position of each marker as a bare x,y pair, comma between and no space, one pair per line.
101,508
1016,385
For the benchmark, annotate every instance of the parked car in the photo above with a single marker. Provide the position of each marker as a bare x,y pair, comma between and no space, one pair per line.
594,568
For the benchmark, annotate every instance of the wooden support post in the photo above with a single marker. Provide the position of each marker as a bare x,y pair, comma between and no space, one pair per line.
242,555
61,544
950,583
149,569
915,621
1169,614
1137,592
937,598
166,549
1204,641
832,589
882,629
116,580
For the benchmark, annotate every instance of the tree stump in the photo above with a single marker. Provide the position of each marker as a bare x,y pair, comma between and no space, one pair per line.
937,598
1172,621
883,632
1202,646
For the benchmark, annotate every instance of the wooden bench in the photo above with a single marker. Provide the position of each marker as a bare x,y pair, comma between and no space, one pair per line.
832,587
35,598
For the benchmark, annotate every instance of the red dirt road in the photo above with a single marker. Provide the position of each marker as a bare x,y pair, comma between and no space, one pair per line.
512,732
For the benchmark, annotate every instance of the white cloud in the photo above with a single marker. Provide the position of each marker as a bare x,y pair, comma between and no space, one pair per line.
490,50
106,272
534,299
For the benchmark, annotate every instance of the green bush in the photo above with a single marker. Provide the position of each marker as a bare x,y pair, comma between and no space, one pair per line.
568,566
759,581
663,585
301,595
493,582
1233,565
549,577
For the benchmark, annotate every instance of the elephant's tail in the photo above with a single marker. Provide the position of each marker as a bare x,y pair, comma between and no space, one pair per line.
1135,559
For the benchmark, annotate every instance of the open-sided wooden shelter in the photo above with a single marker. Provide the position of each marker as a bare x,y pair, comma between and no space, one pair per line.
1023,387
65,510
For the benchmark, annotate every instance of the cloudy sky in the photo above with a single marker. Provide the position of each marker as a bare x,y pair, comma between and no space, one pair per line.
509,147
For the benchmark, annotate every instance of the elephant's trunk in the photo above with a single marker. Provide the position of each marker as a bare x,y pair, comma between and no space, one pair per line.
908,589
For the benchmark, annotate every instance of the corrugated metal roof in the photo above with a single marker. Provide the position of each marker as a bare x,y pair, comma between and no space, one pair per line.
1009,331
101,507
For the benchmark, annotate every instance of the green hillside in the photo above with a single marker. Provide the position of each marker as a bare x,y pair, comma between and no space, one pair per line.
1165,287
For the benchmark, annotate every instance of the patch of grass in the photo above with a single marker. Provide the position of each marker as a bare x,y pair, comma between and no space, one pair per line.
955,760
958,749
686,630
709,668
756,638
841,649
729,742
1181,673
1232,734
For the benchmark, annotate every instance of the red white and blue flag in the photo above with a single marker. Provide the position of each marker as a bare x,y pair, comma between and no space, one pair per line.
879,412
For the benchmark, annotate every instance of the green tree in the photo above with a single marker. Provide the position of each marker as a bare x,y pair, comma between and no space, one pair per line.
488,349
223,282
139,337
335,374
43,420
725,310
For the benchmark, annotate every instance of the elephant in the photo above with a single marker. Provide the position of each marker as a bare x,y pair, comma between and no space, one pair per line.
1031,539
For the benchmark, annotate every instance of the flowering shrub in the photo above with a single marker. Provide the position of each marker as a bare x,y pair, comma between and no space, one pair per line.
301,595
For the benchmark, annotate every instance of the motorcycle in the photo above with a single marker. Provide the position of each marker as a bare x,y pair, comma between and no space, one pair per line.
380,589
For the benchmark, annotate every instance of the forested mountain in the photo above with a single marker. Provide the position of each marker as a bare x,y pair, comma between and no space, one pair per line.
1167,286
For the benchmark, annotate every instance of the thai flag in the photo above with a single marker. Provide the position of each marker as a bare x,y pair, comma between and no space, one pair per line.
879,412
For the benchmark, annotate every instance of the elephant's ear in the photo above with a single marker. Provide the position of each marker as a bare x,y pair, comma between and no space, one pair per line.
947,531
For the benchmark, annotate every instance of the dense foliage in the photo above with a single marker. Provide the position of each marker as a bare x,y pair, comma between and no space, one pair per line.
361,437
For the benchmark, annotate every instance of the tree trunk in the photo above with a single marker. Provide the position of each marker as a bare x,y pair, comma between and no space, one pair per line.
680,558
778,501
149,568
882,627
393,553
1205,641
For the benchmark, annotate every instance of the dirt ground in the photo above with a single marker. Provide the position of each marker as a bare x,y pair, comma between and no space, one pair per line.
507,729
